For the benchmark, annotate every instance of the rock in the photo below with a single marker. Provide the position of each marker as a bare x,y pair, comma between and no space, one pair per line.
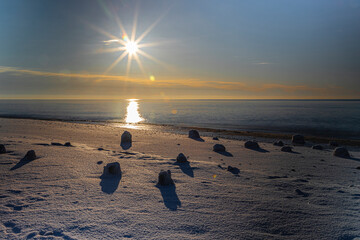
30,155
286,149
219,148
341,152
126,138
181,158
233,170
165,178
279,143
112,170
194,134
298,139
67,144
2,148
251,145
317,147
215,138
299,192
333,144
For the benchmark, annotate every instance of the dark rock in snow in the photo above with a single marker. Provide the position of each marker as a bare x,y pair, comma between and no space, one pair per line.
317,147
30,155
126,138
279,143
215,138
341,152
2,148
165,178
219,148
181,158
112,170
251,145
194,134
298,139
286,149
67,144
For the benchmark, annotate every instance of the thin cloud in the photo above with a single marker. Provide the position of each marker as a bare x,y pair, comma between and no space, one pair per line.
171,83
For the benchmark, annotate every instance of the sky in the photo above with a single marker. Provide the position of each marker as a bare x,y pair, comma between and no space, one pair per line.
231,49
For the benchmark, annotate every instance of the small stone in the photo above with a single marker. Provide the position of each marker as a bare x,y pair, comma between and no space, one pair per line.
317,147
165,178
215,138
30,155
298,139
67,144
251,145
2,148
112,170
194,134
358,168
279,143
181,158
219,148
286,149
341,152
126,138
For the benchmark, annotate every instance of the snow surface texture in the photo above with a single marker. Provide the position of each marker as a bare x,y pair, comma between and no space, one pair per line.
304,194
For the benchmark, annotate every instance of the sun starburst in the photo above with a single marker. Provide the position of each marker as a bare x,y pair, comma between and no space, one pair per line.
130,47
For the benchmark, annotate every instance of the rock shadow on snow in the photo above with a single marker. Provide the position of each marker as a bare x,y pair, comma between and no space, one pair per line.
110,178
170,198
29,157
186,168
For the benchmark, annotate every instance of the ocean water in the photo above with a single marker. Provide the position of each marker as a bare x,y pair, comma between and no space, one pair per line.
331,118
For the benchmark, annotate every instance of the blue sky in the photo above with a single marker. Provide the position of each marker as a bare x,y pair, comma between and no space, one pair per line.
205,48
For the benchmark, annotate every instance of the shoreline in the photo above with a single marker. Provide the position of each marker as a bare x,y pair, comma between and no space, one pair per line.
227,134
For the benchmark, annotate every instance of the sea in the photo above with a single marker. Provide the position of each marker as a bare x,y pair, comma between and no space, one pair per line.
326,118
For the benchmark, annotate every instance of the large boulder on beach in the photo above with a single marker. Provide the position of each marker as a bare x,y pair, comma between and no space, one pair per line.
341,152
298,139
2,148
165,178
317,147
126,138
112,170
278,143
219,148
251,145
181,158
194,134
286,149
30,155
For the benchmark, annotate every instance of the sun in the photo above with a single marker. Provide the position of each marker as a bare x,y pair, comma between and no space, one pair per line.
131,47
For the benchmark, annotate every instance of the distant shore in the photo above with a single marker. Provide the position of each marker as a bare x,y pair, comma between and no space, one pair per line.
229,134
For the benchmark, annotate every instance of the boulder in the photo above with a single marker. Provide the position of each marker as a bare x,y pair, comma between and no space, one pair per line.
279,143
219,148
298,139
165,178
251,145
286,149
2,148
317,147
30,155
112,170
67,144
181,158
126,138
341,152
215,138
194,134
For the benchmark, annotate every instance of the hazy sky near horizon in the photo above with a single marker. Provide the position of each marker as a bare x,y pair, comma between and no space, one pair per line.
196,49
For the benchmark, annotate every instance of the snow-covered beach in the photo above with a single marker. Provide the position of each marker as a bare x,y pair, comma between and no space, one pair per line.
266,194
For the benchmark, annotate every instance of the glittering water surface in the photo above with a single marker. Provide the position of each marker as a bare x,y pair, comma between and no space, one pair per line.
327,118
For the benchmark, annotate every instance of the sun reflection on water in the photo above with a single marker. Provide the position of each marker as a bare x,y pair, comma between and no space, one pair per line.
132,112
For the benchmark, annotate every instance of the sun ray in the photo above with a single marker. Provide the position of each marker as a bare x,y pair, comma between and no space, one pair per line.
116,62
121,26
109,50
140,64
146,32
128,64
133,33
148,56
